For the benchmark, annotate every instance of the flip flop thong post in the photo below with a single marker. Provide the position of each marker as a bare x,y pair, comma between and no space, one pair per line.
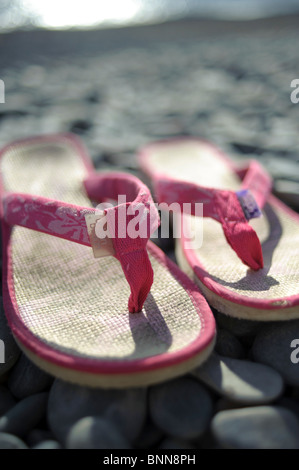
248,263
128,319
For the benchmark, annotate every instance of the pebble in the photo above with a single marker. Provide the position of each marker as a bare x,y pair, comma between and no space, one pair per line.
47,445
125,408
228,345
7,401
261,427
27,379
182,408
25,415
9,441
239,380
272,346
11,350
95,433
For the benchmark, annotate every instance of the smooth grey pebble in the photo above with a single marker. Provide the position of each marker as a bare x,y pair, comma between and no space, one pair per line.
125,408
25,415
182,408
47,445
260,427
95,433
239,380
9,441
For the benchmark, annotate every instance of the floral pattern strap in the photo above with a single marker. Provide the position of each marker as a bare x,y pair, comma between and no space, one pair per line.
48,216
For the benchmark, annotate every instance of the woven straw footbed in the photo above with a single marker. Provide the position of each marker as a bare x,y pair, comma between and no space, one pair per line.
277,231
72,302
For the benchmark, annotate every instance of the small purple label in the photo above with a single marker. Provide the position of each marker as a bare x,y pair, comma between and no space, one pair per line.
249,205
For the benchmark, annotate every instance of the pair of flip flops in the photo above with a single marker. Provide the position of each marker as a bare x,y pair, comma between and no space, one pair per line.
115,311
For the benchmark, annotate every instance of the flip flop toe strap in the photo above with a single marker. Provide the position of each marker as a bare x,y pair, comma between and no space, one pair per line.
132,224
239,234
130,231
232,209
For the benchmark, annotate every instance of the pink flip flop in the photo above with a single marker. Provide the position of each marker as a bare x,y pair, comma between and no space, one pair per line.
67,303
248,263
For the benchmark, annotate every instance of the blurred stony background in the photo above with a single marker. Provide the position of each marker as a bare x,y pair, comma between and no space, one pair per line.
118,89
